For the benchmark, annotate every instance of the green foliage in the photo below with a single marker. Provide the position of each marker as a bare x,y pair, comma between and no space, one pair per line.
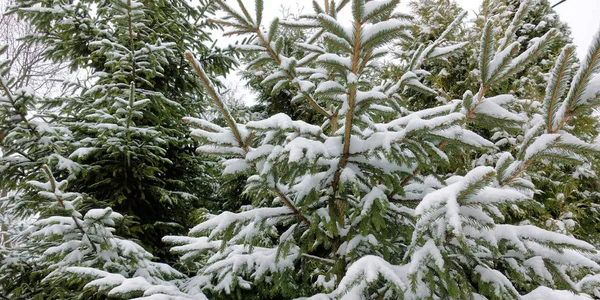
138,156
385,183
116,138
382,199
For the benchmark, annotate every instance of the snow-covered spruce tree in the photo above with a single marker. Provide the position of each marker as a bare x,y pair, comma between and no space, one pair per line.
26,144
356,207
567,192
67,255
62,249
126,119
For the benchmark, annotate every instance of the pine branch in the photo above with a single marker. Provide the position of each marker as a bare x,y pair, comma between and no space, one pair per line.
486,54
291,206
131,42
590,66
246,13
473,187
520,15
275,57
128,125
259,11
215,96
419,169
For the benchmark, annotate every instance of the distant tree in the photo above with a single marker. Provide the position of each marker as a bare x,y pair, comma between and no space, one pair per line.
29,67
116,140
140,161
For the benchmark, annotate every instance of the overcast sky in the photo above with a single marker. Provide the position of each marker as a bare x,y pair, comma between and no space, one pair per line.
583,16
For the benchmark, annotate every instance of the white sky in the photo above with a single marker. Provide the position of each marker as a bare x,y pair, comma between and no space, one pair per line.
583,16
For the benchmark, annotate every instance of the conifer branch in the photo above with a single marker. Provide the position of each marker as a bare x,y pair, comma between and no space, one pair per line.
337,204
291,206
275,57
233,126
128,125
515,24
245,12
528,56
259,11
216,98
473,187
590,67
255,29
319,259
486,49
21,114
234,14
131,41
54,187
132,87
348,123
419,169
557,85
342,4
365,61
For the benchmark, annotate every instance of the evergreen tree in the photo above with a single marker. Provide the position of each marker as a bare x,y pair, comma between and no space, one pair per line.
361,206
127,120
567,194
48,259
567,209
369,203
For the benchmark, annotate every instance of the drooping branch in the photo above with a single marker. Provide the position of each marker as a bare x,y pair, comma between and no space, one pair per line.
61,201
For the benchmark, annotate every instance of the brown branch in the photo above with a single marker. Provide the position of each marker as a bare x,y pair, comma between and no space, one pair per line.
289,204
347,125
211,91
554,96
